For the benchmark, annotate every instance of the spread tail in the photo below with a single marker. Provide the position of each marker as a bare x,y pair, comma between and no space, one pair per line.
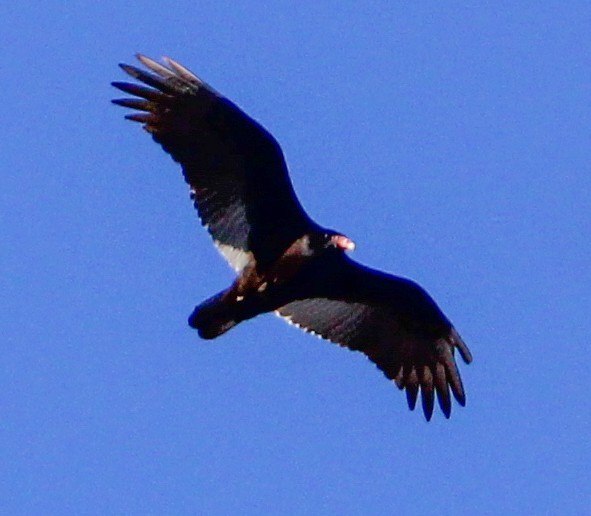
213,317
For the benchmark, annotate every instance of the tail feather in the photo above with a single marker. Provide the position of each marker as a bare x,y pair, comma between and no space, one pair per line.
213,317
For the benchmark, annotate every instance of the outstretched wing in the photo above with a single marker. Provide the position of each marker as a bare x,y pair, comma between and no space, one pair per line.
235,168
390,319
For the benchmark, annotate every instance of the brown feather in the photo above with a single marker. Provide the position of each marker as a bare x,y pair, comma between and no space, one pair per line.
155,66
427,397
149,79
141,91
442,389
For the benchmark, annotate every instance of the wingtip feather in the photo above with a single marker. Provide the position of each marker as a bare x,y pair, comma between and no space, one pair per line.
155,66
459,343
143,118
131,70
181,70
427,394
442,390
139,104
151,79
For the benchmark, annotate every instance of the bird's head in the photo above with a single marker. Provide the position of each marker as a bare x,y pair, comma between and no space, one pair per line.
325,240
341,242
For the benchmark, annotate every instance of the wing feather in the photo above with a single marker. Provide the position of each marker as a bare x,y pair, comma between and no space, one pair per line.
238,177
393,321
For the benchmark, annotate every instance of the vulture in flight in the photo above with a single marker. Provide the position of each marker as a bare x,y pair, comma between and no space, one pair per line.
285,262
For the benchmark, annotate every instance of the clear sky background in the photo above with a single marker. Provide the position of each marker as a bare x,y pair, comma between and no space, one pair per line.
451,142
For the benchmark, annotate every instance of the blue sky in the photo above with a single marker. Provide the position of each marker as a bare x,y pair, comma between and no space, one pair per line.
451,142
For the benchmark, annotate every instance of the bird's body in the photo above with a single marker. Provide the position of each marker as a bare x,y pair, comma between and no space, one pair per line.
285,262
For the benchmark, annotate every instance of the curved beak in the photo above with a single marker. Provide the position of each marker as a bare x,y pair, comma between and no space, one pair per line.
343,242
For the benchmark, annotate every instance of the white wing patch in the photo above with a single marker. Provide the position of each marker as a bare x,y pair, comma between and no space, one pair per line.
237,258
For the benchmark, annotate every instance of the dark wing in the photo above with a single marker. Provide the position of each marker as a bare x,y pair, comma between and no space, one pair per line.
390,319
235,168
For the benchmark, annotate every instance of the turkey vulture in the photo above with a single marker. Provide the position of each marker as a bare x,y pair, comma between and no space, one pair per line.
285,262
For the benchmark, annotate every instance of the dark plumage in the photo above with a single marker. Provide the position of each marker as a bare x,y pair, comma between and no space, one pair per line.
285,261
